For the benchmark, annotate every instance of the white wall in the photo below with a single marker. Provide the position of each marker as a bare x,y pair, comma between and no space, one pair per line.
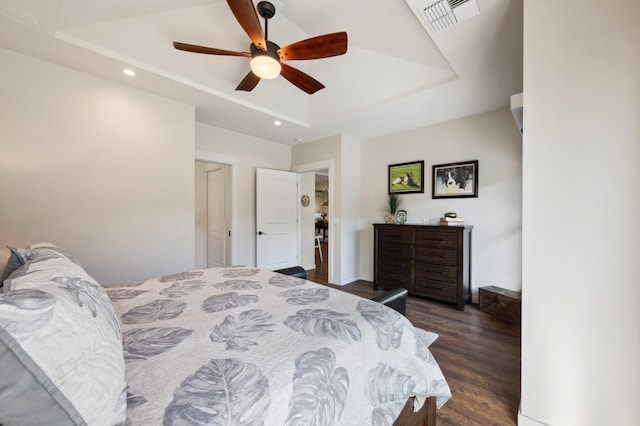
491,138
351,221
251,153
102,170
581,238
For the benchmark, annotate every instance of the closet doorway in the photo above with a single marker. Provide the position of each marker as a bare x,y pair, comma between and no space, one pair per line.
217,228
212,214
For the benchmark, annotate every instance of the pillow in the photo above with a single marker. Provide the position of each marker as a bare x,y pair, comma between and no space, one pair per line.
18,258
38,253
53,251
61,351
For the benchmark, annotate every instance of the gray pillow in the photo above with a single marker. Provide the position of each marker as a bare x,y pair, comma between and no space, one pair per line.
60,347
18,258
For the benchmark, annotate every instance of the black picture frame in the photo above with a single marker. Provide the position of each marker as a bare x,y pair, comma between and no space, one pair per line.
406,178
455,180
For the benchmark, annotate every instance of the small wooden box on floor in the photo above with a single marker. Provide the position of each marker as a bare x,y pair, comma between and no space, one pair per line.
503,303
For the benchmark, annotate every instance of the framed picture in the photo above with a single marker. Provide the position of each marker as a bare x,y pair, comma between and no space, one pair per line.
401,216
406,178
455,180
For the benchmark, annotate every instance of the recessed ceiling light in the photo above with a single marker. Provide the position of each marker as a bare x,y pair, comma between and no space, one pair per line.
128,72
277,123
298,140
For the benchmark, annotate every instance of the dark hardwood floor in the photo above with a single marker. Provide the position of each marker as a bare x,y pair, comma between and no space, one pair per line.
479,356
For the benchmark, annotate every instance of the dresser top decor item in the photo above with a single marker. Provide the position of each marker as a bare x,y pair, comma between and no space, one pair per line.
401,216
392,207
450,219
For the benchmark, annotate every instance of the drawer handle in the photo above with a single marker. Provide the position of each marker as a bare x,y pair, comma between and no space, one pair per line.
444,256
444,272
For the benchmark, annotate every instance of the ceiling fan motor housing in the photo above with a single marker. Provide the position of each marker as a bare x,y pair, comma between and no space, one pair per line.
272,50
266,9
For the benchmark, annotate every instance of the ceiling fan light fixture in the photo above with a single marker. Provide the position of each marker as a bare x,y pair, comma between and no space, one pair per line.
264,66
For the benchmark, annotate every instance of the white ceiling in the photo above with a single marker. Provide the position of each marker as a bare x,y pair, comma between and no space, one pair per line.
396,75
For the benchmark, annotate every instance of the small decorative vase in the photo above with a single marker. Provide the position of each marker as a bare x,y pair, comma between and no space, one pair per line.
389,218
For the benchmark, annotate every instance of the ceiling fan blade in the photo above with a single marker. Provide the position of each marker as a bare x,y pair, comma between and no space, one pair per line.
323,46
247,17
301,80
208,50
249,82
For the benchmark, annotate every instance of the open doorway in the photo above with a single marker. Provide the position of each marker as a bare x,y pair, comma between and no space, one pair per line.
325,169
321,230
212,214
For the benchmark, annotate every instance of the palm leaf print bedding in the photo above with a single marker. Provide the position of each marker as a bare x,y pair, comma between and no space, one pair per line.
245,346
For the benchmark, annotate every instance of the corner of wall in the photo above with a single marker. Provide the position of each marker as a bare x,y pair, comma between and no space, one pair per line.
527,421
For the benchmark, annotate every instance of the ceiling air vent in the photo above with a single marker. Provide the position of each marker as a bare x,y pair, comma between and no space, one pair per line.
443,14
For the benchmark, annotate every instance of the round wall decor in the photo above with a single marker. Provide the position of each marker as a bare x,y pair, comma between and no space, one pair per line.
305,200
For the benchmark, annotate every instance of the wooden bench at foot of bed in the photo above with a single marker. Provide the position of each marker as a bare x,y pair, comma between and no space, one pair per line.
395,298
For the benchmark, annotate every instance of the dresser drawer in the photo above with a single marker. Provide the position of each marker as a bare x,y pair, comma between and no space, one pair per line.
391,280
436,272
396,252
438,256
437,238
398,266
395,237
440,290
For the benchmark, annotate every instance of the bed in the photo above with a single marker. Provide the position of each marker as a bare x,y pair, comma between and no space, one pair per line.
232,346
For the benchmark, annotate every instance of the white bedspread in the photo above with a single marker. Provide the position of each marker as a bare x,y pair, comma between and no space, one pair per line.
244,346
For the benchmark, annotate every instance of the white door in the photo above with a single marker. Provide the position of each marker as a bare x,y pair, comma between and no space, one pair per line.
216,218
276,219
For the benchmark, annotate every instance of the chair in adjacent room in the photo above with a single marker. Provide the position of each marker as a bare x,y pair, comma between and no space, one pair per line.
319,246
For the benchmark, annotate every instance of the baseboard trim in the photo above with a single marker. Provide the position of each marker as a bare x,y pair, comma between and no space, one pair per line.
528,421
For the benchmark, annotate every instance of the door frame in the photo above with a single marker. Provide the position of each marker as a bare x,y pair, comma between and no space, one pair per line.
314,167
232,162
225,170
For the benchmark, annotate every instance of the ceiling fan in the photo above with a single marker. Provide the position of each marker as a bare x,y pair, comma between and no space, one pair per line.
266,56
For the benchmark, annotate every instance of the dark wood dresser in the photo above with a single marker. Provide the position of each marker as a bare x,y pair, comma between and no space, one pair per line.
428,260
